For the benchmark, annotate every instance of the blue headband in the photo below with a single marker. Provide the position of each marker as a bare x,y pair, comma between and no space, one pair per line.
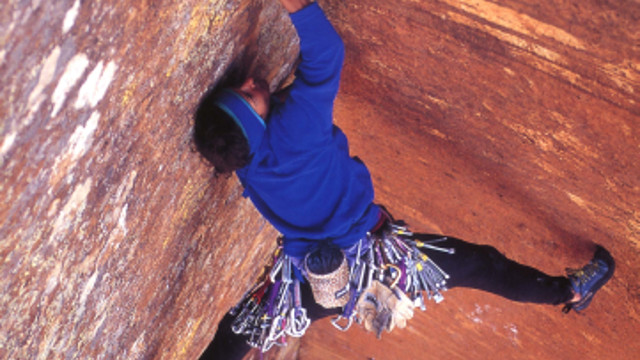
244,115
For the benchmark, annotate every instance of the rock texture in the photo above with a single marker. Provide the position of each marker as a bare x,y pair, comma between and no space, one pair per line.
117,242
510,123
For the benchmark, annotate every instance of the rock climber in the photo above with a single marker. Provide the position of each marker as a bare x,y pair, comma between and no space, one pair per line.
343,253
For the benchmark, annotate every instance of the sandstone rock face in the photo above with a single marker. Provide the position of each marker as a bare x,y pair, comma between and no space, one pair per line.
117,242
508,123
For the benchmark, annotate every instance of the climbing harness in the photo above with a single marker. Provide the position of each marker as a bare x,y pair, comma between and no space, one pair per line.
273,308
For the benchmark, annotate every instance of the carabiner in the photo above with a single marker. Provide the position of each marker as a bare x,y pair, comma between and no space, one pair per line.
335,323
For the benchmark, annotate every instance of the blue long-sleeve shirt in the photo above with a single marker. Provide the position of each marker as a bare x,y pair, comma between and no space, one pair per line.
301,178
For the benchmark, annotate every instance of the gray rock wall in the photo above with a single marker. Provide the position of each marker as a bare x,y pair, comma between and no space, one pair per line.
117,242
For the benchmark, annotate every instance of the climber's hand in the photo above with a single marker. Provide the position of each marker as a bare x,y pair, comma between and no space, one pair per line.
295,5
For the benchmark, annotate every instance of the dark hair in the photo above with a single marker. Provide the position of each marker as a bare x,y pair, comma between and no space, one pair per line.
218,138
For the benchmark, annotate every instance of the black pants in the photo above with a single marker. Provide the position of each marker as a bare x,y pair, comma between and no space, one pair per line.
473,266
485,268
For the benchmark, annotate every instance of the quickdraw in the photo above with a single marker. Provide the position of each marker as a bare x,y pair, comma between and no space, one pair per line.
393,257
272,309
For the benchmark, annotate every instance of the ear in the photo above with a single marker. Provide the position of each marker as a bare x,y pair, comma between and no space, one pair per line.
248,85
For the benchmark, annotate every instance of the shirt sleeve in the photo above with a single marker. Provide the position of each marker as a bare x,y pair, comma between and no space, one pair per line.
305,119
321,50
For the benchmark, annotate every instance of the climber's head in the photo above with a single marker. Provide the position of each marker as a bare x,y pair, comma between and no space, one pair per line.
229,125
256,93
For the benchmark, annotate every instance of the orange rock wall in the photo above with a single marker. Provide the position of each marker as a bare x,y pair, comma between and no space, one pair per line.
507,123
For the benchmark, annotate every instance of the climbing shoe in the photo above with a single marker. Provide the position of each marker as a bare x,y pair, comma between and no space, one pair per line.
590,278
